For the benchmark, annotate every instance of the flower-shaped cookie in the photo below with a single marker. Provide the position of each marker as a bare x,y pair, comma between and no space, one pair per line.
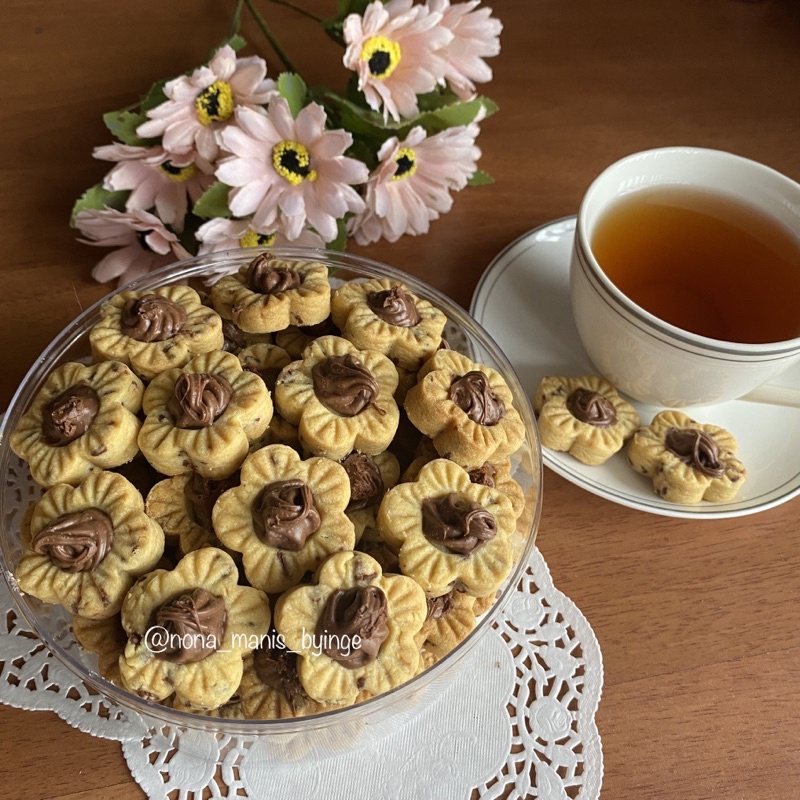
295,339
83,420
466,408
687,462
270,687
451,618
231,709
85,545
285,517
105,637
237,340
382,314
188,630
449,532
370,477
182,506
156,329
266,360
203,416
353,630
583,416
340,398
270,294
492,475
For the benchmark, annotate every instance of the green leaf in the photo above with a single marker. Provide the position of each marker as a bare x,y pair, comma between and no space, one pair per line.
123,125
96,197
360,121
436,99
365,123
187,236
340,242
213,202
480,178
489,106
293,89
154,97
236,41
455,114
334,26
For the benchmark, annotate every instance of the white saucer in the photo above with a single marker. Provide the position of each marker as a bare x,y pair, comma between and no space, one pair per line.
523,302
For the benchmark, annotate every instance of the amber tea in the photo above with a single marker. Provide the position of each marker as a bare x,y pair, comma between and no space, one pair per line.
705,263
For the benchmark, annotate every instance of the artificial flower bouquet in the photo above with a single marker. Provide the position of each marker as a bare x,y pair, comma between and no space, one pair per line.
225,157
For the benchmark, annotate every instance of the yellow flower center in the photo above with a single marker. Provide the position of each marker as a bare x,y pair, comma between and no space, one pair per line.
292,162
214,104
178,174
382,56
406,160
253,239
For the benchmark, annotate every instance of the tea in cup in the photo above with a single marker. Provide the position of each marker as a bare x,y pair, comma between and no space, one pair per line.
685,275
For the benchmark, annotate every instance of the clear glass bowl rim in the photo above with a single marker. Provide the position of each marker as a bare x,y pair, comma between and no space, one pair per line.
231,260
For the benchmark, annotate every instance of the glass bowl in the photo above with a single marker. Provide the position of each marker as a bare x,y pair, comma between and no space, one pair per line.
323,733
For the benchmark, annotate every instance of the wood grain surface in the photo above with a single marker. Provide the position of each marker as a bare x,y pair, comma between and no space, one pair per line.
699,622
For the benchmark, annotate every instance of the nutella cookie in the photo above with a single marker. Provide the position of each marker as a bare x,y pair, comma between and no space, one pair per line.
353,630
271,688
155,330
203,416
449,532
495,476
84,546
340,398
188,630
265,360
182,506
105,637
382,314
466,409
584,416
451,618
295,339
83,420
370,477
269,294
285,517
687,461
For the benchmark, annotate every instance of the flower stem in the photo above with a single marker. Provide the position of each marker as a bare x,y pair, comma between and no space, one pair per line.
287,63
236,20
298,9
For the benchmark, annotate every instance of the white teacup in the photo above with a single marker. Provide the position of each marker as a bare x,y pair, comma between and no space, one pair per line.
643,356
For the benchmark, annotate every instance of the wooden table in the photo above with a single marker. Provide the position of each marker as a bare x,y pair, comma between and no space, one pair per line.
699,622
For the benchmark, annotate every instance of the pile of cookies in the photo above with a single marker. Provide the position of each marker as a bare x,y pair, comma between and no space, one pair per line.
686,461
274,499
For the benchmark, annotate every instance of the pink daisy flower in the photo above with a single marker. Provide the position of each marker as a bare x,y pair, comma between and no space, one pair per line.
290,173
411,185
156,179
228,234
476,35
200,104
143,243
396,51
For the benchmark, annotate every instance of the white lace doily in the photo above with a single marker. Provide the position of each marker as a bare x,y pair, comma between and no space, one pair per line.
517,720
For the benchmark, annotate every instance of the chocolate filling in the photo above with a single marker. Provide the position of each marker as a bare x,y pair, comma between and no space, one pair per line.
592,408
68,416
344,385
695,448
458,523
151,318
473,395
395,306
76,542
